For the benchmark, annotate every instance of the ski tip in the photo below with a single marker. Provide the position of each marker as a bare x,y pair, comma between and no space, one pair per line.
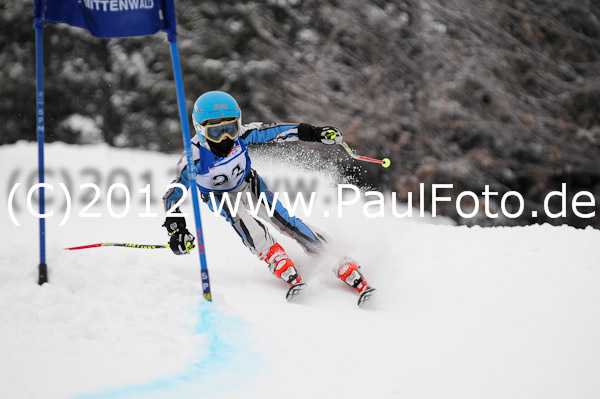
295,292
365,297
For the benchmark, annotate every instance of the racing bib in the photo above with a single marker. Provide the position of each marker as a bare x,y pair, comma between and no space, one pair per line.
226,174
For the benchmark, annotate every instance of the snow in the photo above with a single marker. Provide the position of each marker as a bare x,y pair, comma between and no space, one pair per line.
87,128
461,312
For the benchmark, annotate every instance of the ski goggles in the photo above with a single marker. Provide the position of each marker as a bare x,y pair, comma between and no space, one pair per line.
217,131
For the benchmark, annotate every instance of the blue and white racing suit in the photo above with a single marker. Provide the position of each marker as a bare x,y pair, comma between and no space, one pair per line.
234,175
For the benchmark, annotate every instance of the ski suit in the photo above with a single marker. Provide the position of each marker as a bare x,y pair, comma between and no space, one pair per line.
234,175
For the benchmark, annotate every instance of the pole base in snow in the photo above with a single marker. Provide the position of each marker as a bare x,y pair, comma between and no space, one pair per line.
43,273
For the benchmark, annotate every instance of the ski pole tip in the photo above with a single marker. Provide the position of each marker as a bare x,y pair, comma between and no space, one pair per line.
386,162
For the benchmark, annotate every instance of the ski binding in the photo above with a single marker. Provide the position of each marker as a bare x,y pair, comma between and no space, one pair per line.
365,296
295,292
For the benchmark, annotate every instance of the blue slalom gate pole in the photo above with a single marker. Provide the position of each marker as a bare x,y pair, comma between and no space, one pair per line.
147,19
191,169
39,72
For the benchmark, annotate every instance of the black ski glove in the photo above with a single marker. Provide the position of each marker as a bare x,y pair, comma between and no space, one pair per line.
324,134
182,241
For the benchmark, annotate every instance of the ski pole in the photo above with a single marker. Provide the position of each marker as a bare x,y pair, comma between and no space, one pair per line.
385,162
119,244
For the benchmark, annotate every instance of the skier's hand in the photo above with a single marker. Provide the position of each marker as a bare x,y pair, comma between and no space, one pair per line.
324,134
182,241
329,135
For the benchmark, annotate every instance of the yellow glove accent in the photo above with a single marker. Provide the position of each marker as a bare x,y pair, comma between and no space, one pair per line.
330,135
189,245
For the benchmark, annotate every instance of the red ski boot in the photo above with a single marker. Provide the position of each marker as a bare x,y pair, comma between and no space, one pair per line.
282,267
349,273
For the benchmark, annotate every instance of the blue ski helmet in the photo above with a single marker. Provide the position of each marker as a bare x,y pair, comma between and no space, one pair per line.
214,105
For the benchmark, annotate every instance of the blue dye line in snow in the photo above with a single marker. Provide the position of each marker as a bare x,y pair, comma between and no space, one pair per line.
225,365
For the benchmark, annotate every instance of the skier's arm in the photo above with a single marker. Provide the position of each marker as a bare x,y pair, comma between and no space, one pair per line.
254,133
181,241
174,194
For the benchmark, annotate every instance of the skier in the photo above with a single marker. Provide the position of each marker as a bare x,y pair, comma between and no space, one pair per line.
223,166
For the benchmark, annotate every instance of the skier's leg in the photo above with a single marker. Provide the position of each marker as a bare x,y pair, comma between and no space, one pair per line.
311,240
350,274
308,237
281,265
254,234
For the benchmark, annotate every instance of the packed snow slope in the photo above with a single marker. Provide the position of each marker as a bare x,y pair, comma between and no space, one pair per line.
461,312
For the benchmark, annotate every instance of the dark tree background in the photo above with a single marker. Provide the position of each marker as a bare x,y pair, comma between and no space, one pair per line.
468,92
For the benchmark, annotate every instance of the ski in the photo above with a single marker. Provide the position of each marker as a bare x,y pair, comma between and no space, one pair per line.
295,292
